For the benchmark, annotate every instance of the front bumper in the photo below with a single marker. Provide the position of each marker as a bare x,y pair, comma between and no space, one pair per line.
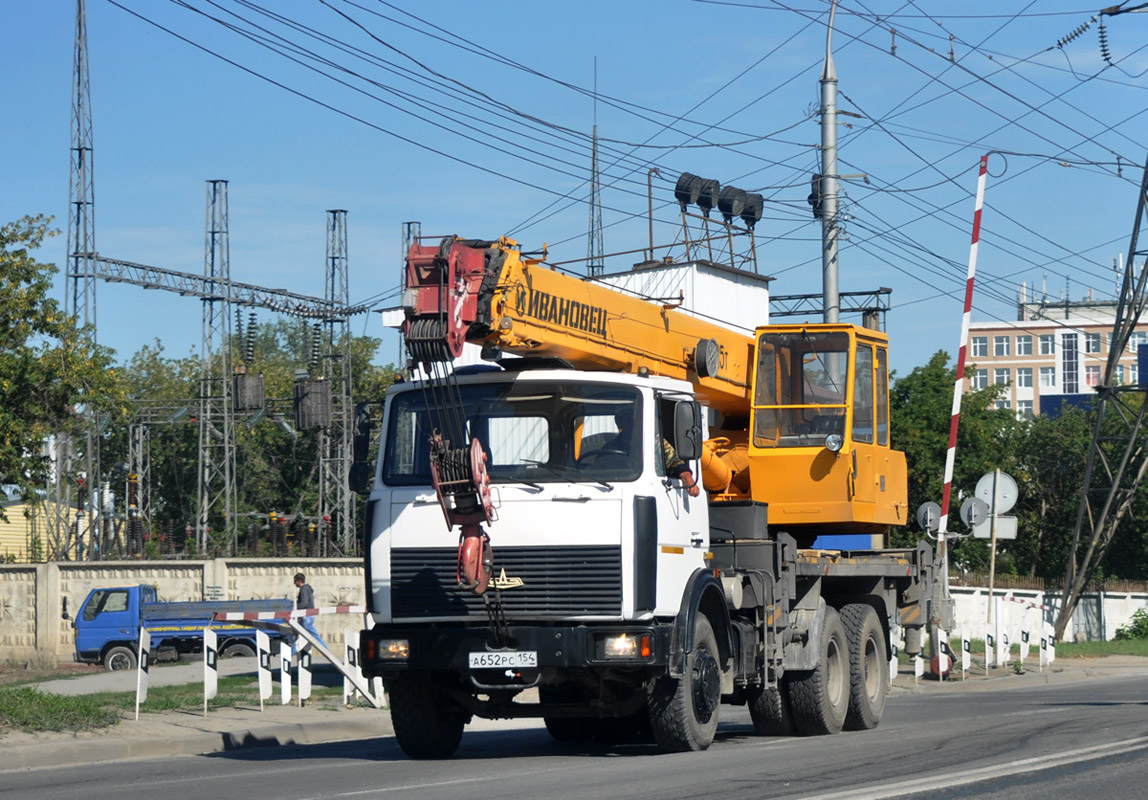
448,647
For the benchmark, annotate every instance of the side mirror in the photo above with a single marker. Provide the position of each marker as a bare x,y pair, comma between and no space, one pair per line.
361,432
65,615
687,430
359,478
360,475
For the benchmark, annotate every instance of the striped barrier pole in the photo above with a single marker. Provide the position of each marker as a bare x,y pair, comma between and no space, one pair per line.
942,594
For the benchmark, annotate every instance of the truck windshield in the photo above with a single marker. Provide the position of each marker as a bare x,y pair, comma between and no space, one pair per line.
801,385
532,432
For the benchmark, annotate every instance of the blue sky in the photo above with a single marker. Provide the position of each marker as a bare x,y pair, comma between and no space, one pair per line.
471,117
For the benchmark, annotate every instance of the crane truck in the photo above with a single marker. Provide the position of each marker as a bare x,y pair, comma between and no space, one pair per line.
572,561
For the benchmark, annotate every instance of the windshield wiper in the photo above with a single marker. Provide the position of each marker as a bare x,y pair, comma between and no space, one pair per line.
574,474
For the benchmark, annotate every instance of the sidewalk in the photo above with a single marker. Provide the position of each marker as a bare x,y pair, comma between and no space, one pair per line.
173,733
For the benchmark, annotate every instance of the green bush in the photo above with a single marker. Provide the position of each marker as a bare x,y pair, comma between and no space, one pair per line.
1135,628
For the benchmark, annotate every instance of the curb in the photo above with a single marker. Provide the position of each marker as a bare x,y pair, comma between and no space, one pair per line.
53,754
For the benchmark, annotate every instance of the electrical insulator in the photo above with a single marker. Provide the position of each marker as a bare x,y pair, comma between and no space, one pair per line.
249,347
316,340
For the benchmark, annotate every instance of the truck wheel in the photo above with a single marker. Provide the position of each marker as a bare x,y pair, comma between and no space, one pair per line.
684,711
118,658
820,699
238,650
427,724
868,666
769,710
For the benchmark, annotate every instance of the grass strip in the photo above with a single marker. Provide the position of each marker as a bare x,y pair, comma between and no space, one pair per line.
28,709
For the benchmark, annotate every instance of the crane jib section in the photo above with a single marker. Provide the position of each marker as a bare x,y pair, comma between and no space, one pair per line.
489,293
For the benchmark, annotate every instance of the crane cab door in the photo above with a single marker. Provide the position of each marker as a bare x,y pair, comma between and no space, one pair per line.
869,434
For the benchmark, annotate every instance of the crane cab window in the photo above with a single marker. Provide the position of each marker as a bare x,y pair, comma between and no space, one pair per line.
801,384
863,395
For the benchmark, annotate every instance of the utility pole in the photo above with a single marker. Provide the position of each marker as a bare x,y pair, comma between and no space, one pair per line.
830,184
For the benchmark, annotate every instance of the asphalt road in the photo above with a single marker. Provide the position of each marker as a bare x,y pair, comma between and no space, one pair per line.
1087,738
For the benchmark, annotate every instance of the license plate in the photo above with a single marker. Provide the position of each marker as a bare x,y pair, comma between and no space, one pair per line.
504,658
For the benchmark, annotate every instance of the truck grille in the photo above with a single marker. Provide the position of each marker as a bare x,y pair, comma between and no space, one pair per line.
557,582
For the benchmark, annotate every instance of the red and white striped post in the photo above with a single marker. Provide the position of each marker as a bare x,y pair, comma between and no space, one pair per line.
950,456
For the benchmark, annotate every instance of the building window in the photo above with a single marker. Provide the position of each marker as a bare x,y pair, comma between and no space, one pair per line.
1000,345
1092,375
1048,377
1024,377
1047,344
1118,376
1024,409
980,378
1068,366
1133,373
1001,375
980,346
1002,404
1136,339
1024,345
1092,342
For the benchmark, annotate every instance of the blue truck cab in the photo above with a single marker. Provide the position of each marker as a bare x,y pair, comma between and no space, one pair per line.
108,626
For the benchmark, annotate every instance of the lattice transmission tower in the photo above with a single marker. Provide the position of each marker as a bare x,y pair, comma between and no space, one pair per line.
217,495
336,509
68,535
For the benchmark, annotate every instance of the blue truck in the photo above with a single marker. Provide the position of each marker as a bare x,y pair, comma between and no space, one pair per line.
109,621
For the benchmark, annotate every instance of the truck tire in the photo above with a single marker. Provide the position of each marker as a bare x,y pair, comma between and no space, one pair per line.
237,650
820,698
684,711
769,710
427,724
118,658
868,666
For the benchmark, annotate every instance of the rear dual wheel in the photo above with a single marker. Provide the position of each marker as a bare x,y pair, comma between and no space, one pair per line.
820,697
868,666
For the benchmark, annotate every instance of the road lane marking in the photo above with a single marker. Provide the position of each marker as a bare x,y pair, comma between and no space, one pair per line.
949,780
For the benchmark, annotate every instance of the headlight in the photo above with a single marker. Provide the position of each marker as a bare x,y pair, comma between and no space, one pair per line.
394,649
833,442
626,646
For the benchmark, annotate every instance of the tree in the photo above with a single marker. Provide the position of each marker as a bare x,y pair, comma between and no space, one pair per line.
920,407
49,370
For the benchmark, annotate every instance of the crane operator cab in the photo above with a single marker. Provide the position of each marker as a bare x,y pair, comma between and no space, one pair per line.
819,432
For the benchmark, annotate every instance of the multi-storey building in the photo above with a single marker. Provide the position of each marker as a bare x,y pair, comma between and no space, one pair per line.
1052,350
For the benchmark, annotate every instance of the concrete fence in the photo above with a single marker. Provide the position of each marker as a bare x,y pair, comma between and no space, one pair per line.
32,595
1097,617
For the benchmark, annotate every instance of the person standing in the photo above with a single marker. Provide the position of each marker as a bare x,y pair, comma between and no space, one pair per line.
306,599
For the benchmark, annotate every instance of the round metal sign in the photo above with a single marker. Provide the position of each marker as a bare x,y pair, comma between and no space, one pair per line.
1004,496
974,511
929,516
